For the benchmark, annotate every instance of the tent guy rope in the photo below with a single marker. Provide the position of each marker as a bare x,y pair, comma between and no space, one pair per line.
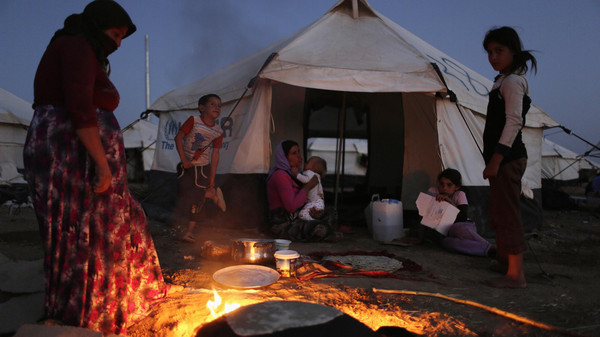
481,306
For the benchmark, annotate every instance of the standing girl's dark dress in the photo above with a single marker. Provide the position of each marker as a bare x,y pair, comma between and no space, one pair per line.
101,268
505,189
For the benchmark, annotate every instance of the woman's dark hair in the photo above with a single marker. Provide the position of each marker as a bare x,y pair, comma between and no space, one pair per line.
508,37
98,16
287,145
452,175
204,99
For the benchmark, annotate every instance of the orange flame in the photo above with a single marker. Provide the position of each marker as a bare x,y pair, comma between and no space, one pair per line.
214,306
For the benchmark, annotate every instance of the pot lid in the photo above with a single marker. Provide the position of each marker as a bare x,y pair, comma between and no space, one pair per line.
287,254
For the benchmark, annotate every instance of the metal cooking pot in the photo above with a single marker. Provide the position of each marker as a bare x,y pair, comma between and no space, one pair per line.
254,251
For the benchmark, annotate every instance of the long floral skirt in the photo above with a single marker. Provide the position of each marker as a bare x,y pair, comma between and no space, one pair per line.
101,268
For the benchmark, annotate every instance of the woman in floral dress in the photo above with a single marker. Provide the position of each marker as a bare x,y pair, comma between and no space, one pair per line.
101,268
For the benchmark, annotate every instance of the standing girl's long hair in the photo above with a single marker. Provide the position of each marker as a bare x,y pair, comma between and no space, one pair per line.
508,37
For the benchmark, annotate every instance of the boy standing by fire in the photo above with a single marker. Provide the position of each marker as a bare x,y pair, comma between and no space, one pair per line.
197,169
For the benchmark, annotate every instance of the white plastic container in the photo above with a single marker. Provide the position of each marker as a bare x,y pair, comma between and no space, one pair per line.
282,244
387,220
285,262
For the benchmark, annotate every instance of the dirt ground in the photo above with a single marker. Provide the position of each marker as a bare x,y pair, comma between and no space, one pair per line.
562,296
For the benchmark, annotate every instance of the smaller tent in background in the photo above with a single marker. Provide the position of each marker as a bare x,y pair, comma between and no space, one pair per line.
15,116
139,139
562,164
564,173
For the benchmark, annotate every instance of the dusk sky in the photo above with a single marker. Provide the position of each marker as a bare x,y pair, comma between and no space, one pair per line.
190,39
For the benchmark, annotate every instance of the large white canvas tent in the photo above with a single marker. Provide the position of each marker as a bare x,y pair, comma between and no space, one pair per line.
139,139
560,163
15,116
358,61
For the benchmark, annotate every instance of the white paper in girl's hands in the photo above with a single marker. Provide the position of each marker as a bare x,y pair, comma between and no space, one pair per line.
439,215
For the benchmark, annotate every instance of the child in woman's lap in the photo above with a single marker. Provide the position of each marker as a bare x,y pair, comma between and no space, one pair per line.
315,166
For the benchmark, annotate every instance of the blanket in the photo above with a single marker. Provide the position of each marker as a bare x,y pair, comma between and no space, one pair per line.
324,264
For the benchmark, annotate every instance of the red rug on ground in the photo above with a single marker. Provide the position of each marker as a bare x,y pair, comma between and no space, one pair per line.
316,267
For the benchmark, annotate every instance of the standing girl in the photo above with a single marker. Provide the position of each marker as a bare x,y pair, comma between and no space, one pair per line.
504,152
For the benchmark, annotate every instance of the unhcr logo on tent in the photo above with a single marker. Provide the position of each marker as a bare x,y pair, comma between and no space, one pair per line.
226,124
171,129
169,132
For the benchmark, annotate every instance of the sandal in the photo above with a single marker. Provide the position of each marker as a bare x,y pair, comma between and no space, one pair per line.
189,237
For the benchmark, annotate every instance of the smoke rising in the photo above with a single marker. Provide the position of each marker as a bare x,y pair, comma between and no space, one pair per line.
219,33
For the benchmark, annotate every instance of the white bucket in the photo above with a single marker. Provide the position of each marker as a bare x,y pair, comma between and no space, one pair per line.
387,220
282,244
285,262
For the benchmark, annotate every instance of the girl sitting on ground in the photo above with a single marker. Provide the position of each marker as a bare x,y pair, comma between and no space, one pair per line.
462,236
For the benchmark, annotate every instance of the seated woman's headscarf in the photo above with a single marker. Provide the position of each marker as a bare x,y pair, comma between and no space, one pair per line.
281,161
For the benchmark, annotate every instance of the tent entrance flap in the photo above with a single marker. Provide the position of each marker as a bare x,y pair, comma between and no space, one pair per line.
376,117
333,117
387,145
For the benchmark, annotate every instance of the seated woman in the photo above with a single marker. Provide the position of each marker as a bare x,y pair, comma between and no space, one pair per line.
286,196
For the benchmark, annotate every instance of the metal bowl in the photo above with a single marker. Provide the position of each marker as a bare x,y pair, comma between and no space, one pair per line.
253,251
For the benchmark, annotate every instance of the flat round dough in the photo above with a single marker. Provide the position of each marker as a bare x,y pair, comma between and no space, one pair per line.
246,276
367,262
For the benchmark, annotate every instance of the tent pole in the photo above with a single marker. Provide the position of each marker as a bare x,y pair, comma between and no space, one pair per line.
343,169
569,132
147,76
343,156
338,150
566,168
355,9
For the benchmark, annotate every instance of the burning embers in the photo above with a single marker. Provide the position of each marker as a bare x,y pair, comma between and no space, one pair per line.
216,309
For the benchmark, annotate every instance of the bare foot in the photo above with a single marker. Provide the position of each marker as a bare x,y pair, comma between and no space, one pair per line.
174,288
189,237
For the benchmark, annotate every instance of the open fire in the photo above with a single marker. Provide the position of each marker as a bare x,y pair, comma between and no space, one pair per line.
373,313
216,309
185,313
